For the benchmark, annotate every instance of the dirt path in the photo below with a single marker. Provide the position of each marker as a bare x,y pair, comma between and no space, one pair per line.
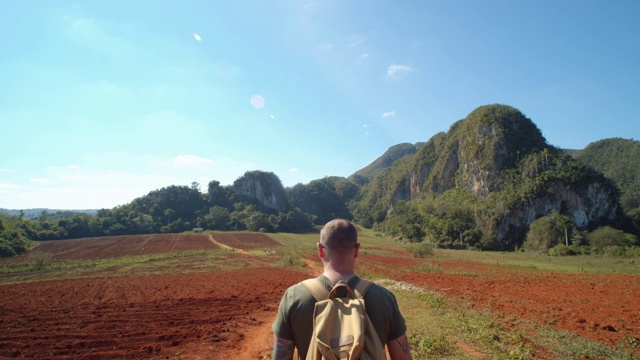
223,246
259,343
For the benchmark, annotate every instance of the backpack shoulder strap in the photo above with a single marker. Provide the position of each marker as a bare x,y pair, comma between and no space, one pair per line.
362,288
316,288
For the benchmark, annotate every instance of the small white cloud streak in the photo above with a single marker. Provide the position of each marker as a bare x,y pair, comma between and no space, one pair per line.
122,178
191,160
293,169
395,70
389,114
326,46
356,40
8,171
7,186
73,177
91,34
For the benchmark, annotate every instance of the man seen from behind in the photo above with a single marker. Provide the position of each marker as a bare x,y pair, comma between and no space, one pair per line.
338,249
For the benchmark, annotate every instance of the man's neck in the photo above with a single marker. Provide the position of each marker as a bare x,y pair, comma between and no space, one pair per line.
336,276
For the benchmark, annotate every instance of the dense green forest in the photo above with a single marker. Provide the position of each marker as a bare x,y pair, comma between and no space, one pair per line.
490,183
619,160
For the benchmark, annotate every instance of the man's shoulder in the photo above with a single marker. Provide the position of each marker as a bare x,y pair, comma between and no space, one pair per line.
299,291
379,293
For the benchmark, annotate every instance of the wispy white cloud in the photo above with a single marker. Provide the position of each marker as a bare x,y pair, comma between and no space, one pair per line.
396,70
364,56
356,40
191,160
365,125
326,46
105,89
8,171
73,177
122,177
73,167
293,169
4,186
388,114
92,34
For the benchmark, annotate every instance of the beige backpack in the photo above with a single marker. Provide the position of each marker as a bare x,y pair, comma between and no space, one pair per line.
341,327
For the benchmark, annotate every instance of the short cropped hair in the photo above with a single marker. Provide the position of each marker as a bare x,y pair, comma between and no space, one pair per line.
339,234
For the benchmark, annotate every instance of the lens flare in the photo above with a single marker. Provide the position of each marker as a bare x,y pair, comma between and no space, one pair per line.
257,101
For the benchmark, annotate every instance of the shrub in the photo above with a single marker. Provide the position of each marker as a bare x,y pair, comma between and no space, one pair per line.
289,257
562,250
609,241
547,232
421,250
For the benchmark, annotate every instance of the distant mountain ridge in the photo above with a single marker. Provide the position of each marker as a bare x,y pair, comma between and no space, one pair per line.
385,160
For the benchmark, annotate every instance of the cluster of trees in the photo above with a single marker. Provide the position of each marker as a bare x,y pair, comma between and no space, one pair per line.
169,210
181,208
556,235
13,240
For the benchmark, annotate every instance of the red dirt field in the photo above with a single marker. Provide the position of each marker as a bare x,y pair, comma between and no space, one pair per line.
227,314
246,241
185,316
603,308
116,246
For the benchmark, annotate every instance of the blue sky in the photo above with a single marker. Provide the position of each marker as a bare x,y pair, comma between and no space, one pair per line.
103,101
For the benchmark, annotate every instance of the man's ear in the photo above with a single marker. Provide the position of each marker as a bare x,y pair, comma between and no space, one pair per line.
357,247
320,251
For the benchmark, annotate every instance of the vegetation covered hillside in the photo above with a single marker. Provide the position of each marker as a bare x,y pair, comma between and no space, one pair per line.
256,202
619,160
491,182
483,183
387,159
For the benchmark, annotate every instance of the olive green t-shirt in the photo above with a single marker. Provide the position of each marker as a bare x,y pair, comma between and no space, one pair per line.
295,314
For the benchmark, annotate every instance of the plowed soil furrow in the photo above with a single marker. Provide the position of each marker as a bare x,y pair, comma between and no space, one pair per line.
114,247
138,317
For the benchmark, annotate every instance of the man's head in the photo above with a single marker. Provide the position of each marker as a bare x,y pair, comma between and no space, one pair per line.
339,236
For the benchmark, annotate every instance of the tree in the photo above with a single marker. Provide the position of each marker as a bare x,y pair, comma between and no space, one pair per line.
257,221
547,232
195,185
217,194
218,218
169,213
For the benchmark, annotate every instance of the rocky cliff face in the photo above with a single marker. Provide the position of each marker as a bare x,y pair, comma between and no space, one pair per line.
265,187
478,152
591,204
